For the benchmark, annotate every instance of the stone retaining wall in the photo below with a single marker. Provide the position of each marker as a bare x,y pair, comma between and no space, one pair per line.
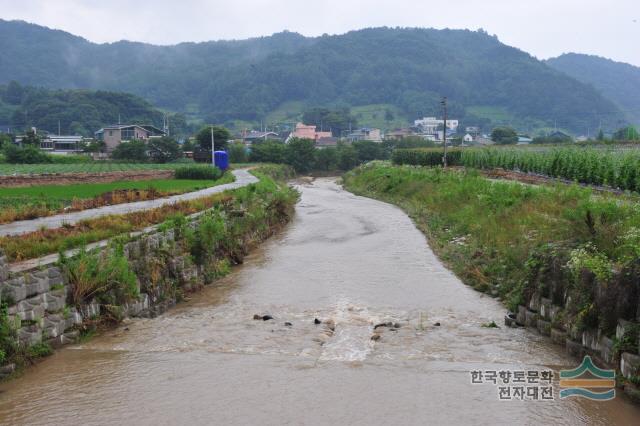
38,297
39,302
548,319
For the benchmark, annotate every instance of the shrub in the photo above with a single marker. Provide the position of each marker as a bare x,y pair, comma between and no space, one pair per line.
198,172
268,152
25,155
105,276
134,150
237,153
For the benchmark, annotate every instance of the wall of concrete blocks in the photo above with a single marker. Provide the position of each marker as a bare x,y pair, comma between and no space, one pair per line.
541,315
38,299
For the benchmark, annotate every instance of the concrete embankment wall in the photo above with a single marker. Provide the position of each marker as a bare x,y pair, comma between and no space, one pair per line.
550,320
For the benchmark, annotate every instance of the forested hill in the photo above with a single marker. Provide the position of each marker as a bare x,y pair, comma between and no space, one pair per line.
77,111
409,68
618,81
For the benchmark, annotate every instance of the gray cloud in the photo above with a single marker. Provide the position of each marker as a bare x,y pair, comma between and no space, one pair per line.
543,28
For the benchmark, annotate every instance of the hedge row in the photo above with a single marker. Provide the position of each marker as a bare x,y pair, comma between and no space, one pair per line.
426,157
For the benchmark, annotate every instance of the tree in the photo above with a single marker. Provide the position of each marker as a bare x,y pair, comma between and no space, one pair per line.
368,151
5,139
628,133
326,159
220,135
300,154
135,150
347,157
388,115
31,138
336,120
95,146
600,135
504,136
237,153
268,152
28,154
14,93
189,145
164,149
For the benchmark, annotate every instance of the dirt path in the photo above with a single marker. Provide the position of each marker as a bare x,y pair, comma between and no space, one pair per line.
242,178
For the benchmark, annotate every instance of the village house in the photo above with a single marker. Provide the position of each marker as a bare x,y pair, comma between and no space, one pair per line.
365,134
432,128
399,134
61,144
249,137
115,135
305,131
326,142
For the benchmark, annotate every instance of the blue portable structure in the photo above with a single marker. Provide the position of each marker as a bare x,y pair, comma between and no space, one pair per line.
221,160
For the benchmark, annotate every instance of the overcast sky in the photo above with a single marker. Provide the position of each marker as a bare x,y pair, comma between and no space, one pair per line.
544,28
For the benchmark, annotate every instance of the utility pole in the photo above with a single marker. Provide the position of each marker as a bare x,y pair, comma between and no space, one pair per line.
444,131
213,147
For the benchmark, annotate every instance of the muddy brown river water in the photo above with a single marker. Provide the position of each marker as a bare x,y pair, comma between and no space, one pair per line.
350,259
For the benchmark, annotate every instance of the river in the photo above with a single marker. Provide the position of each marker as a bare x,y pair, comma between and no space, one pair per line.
350,261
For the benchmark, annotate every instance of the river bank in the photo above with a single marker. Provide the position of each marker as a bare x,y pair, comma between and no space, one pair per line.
51,305
562,261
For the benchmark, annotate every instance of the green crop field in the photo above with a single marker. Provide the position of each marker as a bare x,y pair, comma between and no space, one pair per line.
19,203
96,167
90,190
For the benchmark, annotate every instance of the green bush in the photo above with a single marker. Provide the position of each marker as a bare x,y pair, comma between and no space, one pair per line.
105,276
25,155
134,150
198,172
237,153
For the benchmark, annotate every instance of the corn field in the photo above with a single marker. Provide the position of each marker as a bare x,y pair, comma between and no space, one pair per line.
614,168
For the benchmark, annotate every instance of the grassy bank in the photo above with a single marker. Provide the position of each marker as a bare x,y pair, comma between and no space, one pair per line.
513,240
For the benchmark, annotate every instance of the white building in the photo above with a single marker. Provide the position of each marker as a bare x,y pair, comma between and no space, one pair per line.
467,138
429,125
62,144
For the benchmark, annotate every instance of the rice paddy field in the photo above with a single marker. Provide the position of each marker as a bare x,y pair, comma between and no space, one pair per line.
19,203
94,167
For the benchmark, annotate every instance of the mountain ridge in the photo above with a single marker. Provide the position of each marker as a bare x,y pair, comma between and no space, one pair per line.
410,68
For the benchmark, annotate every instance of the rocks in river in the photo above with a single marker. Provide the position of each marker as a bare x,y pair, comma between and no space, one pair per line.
316,321
288,324
383,324
375,337
262,317
437,324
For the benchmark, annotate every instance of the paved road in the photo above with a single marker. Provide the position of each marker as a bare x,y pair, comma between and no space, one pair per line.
242,176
